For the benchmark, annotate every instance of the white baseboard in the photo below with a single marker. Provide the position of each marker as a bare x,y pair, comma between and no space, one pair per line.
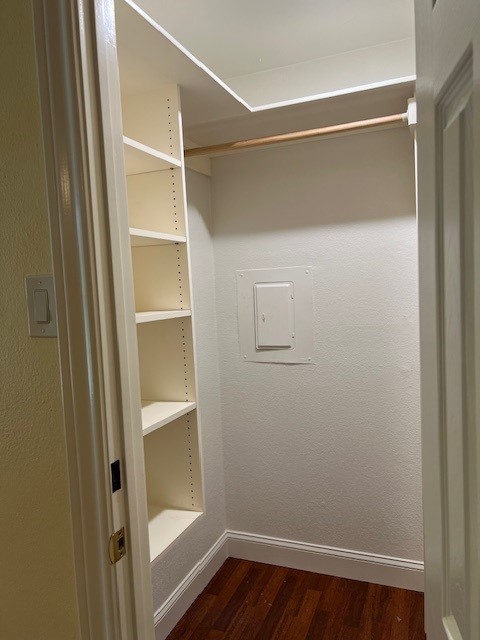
344,563
167,616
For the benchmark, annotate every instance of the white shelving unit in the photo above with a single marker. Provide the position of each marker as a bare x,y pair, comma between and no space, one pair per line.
165,525
147,238
155,181
147,52
158,414
139,158
154,316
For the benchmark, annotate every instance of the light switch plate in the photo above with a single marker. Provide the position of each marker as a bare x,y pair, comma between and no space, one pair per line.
42,312
275,315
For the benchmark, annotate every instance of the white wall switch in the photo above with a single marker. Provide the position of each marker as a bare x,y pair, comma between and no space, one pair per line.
42,315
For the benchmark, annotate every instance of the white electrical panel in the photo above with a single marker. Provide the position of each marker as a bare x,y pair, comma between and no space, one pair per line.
275,315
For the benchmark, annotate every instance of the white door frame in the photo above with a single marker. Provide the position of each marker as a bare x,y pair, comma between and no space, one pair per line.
98,365
448,93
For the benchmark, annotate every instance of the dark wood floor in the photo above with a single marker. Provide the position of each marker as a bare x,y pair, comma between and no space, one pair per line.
253,601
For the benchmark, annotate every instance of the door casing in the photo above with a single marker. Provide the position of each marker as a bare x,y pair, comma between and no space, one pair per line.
74,48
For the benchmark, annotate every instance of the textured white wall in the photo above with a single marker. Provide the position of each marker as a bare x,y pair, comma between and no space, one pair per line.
330,453
37,588
184,554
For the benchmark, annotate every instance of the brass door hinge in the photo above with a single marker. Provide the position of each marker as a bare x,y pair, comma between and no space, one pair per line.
117,547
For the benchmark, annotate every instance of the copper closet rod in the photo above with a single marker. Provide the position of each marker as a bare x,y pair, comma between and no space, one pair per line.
398,118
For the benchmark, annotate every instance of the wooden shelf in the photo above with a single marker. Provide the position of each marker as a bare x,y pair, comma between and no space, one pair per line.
157,414
145,238
154,316
150,56
165,525
142,159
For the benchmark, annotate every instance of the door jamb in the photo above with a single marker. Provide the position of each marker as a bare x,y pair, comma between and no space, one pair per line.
114,601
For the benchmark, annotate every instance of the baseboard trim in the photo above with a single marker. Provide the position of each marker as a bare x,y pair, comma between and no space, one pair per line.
344,563
167,616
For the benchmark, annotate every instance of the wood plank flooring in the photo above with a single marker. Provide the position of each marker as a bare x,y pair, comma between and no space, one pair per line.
252,601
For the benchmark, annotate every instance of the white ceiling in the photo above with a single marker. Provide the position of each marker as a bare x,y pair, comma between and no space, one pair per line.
247,36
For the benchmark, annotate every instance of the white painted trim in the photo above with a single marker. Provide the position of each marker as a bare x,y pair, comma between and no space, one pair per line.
128,438
344,563
114,601
334,94
167,616
65,59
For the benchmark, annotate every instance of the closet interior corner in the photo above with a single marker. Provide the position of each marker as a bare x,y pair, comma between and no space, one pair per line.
165,91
